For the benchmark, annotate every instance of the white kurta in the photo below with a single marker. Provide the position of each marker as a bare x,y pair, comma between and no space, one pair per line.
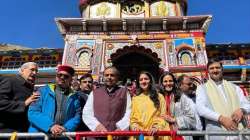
91,121
205,109
185,115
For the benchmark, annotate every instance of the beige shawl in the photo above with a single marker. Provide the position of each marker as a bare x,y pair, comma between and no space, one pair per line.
217,100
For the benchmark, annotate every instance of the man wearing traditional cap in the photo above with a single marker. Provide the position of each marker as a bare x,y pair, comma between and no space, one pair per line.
16,94
58,109
108,107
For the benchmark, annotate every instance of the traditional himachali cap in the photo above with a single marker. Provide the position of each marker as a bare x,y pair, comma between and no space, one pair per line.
66,68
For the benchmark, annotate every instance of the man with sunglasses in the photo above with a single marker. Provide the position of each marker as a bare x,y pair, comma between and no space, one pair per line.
16,94
58,108
108,107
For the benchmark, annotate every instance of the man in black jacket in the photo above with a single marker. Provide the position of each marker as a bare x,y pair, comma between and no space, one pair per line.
86,86
16,94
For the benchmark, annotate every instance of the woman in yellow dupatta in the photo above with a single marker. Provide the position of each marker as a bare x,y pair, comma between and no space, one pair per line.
147,108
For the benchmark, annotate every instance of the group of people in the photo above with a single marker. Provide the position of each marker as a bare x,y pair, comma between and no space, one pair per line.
173,105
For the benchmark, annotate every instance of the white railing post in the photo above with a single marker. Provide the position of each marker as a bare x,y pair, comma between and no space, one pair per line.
206,137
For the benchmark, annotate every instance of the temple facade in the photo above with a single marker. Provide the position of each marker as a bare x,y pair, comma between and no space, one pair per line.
135,35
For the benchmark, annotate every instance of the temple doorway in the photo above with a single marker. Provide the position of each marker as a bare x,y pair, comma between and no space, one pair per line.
130,61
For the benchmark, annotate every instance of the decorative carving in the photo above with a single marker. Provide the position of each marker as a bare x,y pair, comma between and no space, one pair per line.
84,59
172,59
133,8
200,59
110,46
147,45
103,10
158,45
170,48
186,57
97,58
71,54
184,43
84,53
162,9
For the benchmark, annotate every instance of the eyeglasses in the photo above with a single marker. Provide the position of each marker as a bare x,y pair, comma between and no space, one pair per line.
189,84
86,81
33,70
60,75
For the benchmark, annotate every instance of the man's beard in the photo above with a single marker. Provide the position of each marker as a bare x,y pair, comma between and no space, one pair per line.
191,94
87,91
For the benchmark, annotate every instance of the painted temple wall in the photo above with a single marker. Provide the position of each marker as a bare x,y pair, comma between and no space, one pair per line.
93,52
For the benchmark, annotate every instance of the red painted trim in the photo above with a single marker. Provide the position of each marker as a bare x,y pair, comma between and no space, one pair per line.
123,133
198,34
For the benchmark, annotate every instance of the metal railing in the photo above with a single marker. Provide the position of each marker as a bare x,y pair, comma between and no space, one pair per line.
231,62
141,134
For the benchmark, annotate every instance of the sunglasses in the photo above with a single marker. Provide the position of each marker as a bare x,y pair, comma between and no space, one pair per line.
65,76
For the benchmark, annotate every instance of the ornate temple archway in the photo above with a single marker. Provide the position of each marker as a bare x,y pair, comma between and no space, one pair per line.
130,60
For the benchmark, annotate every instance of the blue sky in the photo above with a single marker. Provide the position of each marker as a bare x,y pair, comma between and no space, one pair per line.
31,23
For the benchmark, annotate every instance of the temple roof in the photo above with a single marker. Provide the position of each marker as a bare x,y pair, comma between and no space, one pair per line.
9,47
66,25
